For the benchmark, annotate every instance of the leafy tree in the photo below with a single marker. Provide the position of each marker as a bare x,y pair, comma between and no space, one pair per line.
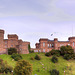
66,50
12,50
23,68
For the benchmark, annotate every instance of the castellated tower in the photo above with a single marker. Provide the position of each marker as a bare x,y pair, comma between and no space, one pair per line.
1,40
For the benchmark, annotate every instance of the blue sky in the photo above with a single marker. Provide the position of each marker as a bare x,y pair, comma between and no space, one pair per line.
35,19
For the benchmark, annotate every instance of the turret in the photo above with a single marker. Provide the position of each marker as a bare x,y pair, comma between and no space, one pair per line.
1,39
55,40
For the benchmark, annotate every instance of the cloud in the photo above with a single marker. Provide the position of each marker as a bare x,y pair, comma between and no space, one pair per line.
49,10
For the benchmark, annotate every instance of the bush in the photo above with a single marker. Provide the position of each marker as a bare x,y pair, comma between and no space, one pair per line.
4,67
54,59
73,56
12,50
32,58
66,50
8,69
32,51
37,57
55,52
23,68
67,56
48,54
54,72
1,61
16,57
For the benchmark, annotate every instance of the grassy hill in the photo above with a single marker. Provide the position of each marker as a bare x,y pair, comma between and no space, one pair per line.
43,66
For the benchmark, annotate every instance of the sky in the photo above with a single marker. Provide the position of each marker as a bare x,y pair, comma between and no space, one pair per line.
35,19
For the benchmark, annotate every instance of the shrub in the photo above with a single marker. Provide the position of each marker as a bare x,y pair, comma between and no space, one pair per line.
54,59
32,51
48,54
55,52
37,57
1,61
8,69
16,57
12,50
67,56
32,58
23,68
73,56
54,72
4,67
66,50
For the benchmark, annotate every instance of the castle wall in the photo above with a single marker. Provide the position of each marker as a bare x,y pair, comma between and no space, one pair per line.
46,45
12,42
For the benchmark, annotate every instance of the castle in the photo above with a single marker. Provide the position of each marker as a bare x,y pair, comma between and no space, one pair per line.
12,42
46,45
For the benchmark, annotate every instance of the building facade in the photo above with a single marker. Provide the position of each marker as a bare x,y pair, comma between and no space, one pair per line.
12,42
46,45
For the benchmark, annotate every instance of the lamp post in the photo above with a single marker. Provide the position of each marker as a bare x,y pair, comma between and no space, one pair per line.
64,72
12,72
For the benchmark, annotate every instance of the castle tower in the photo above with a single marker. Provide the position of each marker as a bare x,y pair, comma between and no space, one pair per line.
12,40
1,40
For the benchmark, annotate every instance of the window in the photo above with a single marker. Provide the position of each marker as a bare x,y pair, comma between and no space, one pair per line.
43,50
35,50
5,42
68,44
48,45
11,41
56,45
73,43
43,44
52,45
39,50
11,45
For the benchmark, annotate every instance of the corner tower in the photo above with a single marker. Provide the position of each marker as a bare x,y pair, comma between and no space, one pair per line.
1,39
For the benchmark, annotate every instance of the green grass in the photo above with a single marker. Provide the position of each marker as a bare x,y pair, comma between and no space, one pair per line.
62,64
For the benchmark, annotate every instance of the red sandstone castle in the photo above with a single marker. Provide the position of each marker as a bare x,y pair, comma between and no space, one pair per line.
12,41
46,45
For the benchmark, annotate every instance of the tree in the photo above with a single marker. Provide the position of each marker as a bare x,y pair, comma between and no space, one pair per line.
29,48
66,50
23,68
12,50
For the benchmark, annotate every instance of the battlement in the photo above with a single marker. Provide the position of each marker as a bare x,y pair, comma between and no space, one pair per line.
71,38
12,36
1,31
